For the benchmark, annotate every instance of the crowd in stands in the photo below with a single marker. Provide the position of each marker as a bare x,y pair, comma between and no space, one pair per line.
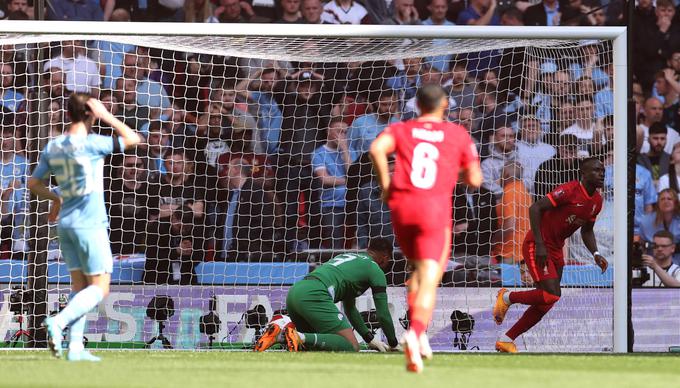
257,160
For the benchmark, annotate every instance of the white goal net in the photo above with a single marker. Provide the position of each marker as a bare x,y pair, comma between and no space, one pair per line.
254,170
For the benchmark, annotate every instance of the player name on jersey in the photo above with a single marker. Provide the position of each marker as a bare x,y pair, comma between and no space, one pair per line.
427,135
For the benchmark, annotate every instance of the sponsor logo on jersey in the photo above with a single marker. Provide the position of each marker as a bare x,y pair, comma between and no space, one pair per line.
424,134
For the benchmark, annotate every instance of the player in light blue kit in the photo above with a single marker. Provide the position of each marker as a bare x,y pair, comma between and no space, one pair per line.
76,159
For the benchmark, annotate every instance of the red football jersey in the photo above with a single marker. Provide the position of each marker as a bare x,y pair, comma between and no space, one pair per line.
573,208
429,155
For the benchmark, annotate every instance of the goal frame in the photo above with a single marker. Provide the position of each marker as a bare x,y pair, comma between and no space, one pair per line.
618,35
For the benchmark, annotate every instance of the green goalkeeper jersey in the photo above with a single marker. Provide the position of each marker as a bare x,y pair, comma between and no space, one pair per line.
348,276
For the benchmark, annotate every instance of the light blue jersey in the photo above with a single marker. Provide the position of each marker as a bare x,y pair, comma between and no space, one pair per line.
77,162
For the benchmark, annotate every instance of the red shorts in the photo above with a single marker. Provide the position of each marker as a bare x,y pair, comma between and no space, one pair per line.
553,263
422,233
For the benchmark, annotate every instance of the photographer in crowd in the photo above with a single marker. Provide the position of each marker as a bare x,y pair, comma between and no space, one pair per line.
665,272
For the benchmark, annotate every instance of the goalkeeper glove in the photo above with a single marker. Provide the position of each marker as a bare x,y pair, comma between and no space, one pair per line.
378,345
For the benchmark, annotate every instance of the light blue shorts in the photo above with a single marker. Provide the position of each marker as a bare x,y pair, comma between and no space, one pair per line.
86,250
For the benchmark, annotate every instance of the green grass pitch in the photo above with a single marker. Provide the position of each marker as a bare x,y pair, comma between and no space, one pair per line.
280,369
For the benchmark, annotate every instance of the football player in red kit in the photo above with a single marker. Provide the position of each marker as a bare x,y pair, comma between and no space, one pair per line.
430,152
553,219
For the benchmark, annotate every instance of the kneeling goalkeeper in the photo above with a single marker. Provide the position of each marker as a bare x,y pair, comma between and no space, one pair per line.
318,324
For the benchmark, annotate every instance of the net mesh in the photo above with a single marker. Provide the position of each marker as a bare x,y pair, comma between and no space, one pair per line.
253,171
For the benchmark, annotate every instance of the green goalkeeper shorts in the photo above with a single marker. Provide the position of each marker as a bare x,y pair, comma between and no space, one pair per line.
311,308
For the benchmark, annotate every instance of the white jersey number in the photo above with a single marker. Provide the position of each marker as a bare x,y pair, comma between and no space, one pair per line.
74,176
424,165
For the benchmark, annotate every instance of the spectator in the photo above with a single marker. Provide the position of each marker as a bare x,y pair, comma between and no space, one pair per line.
214,138
11,99
136,116
230,11
459,87
665,273
311,11
14,172
558,170
290,12
645,193
150,93
197,11
82,73
405,12
260,94
666,87
345,12
513,214
111,55
589,136
644,14
531,150
575,13
374,217
306,111
666,216
179,186
127,202
17,6
545,13
157,142
672,178
475,223
656,160
74,10
501,152
438,10
174,245
365,128
479,13
653,113
407,80
512,17
654,43
250,215
53,81
330,163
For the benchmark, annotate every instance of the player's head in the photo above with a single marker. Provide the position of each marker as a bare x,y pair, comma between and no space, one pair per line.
380,250
592,172
78,109
431,99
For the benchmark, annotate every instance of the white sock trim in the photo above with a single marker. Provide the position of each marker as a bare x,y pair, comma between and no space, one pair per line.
506,298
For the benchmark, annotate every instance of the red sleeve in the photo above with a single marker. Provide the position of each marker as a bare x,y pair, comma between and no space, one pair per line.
561,194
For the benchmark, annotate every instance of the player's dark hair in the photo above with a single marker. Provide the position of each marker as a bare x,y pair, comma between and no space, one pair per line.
588,162
663,233
78,109
429,97
380,244
658,128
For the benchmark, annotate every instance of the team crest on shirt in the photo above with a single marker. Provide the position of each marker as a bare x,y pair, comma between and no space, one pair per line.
558,193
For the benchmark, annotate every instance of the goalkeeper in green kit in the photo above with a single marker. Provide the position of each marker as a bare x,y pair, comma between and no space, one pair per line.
317,324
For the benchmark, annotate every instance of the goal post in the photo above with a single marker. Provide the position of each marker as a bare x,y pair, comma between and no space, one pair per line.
292,190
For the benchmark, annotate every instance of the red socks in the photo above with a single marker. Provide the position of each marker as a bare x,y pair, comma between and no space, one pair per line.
534,297
417,326
531,317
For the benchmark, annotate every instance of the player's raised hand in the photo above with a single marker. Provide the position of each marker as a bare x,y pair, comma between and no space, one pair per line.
98,109
53,214
378,345
601,262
